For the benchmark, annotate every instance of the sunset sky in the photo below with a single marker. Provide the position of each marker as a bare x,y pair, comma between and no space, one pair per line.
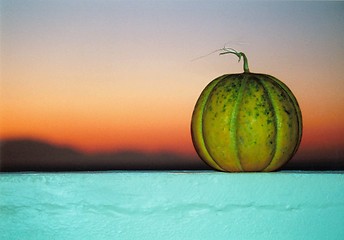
111,75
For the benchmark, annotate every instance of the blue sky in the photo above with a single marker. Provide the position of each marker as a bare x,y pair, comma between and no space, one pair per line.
98,66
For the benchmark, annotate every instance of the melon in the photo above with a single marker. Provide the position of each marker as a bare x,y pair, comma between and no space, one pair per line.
246,122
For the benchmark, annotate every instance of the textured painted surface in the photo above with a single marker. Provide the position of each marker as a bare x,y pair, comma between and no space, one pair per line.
172,205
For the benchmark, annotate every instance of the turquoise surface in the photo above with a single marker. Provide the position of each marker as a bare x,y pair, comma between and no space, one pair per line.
172,205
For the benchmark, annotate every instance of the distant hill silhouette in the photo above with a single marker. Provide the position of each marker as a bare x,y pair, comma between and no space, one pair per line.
32,155
317,159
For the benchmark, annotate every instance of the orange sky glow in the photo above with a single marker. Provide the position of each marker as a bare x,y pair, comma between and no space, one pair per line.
113,75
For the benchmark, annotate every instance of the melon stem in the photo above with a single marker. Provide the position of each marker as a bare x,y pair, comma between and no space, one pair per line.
239,55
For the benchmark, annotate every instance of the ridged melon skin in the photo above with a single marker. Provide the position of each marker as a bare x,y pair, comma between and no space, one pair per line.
246,122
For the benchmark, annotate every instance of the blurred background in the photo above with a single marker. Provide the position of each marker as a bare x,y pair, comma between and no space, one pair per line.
92,85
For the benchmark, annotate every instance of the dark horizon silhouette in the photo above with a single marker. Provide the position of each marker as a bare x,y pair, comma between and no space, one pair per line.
34,155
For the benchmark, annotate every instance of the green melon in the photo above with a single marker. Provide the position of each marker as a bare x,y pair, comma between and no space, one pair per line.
246,122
